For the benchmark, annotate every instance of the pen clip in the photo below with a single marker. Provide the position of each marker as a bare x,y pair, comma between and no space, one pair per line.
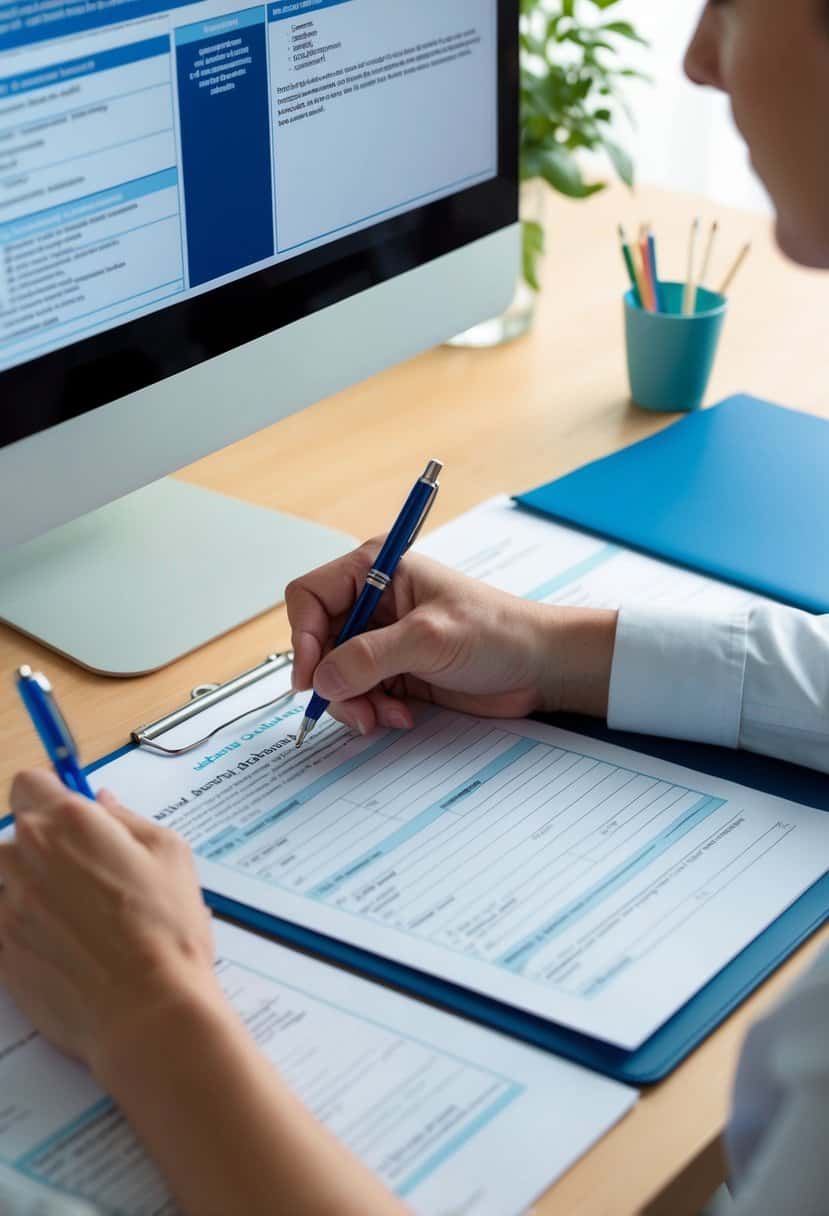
422,520
429,478
26,676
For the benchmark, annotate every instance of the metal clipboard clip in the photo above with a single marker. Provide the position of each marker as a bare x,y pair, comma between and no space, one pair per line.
205,695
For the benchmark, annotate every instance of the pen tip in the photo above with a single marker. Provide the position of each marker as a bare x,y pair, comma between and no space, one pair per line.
305,729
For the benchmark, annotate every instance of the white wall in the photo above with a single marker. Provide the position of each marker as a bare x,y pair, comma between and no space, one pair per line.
685,139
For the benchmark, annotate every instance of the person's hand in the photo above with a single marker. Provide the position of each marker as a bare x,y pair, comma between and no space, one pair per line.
106,945
442,637
101,918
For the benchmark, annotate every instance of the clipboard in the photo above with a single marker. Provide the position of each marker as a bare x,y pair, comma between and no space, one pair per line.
676,1038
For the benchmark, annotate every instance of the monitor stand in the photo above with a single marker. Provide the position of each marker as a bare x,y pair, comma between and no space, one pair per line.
133,586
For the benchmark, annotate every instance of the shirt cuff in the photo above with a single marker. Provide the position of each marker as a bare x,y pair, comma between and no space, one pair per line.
679,674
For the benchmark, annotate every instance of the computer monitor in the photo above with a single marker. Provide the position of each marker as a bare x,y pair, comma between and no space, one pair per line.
213,214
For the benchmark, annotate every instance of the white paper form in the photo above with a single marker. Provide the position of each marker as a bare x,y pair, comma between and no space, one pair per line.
514,550
591,885
454,1118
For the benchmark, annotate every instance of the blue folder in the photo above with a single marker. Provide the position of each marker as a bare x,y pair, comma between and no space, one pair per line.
738,492
665,1049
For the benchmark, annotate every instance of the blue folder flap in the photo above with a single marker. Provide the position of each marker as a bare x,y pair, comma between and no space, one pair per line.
650,1063
678,1037
737,492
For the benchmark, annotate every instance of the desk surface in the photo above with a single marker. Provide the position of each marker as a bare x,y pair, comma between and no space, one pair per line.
503,420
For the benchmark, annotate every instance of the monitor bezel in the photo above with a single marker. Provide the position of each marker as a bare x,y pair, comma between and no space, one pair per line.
76,379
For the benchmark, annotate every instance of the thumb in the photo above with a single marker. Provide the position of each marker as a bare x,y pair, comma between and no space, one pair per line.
414,645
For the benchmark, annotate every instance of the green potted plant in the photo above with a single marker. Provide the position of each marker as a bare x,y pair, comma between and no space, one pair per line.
573,76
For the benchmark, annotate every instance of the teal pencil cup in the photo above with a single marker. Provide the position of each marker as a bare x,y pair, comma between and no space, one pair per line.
670,356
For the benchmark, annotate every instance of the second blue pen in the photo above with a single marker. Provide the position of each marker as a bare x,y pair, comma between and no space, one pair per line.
50,724
401,537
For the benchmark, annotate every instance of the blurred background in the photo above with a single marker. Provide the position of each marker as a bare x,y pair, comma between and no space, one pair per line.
687,141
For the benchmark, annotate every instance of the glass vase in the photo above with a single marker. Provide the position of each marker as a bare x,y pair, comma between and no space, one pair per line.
517,320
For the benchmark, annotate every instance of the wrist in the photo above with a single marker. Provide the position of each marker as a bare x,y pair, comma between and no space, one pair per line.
170,1008
578,662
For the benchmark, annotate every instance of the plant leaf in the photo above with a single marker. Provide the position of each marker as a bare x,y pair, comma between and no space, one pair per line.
562,171
532,247
620,160
625,30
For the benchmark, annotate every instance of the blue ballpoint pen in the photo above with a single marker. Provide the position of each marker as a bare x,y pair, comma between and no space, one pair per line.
36,693
402,536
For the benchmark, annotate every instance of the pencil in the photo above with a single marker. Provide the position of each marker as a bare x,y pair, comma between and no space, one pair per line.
647,274
709,249
657,286
732,274
626,254
689,296
644,268
639,271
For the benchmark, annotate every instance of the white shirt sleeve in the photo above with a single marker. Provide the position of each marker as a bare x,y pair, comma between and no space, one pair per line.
757,679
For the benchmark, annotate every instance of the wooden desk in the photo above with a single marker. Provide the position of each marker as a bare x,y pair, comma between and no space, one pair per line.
503,420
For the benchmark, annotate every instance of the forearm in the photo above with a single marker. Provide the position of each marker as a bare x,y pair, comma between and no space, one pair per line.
587,661
579,657
221,1125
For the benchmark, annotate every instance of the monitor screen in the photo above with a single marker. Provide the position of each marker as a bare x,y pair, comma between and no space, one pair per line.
179,178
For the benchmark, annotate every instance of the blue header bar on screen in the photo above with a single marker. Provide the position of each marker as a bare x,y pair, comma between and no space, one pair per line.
13,86
93,204
23,22
282,9
204,30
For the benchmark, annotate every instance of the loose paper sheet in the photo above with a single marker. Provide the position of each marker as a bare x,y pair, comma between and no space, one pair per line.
454,1118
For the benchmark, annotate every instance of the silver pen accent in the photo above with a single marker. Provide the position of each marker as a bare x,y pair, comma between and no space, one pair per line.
305,729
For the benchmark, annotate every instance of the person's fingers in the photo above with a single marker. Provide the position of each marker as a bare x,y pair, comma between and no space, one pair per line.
315,599
69,836
307,649
35,788
47,814
420,643
142,830
12,869
357,714
372,710
21,902
389,711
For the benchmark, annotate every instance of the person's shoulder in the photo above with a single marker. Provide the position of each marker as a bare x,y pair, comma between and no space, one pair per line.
799,1024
